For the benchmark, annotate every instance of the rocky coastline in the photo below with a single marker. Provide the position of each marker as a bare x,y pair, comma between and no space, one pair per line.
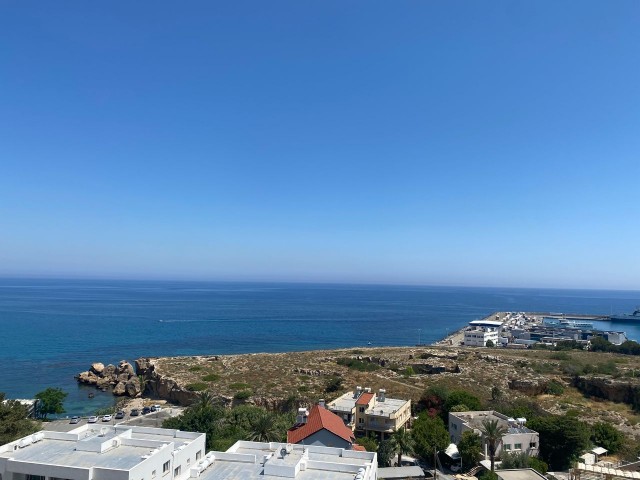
121,379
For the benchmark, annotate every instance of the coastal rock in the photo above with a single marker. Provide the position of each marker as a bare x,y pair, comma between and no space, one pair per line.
123,377
142,365
615,390
125,367
119,389
109,371
97,368
132,387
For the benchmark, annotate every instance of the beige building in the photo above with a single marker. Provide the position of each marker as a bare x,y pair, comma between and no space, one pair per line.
366,412
517,439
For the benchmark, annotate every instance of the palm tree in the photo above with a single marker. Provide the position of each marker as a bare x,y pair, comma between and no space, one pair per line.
264,428
492,433
402,443
205,399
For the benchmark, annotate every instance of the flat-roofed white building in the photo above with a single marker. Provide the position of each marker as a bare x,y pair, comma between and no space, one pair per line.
517,439
276,461
94,452
478,337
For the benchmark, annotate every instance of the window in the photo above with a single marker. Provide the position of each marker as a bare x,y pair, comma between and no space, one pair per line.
35,477
198,455
165,467
176,472
532,445
153,474
188,462
518,446
361,409
507,446
455,426
361,420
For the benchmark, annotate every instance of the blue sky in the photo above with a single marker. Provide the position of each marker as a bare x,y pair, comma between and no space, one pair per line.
457,143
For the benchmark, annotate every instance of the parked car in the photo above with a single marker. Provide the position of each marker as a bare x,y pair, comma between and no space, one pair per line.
135,412
119,415
92,419
75,419
146,410
106,418
156,408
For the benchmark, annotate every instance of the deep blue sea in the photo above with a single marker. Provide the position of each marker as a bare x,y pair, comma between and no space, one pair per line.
53,329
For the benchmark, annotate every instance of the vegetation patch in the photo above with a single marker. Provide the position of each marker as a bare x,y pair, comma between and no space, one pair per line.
197,387
195,368
355,364
243,395
211,377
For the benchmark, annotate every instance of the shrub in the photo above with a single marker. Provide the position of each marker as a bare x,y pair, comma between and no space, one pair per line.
554,388
196,368
409,371
490,344
333,385
303,388
242,395
197,386
355,364
211,377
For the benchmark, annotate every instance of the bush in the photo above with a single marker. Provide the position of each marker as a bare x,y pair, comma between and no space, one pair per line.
606,435
409,371
303,388
490,344
197,368
333,385
554,388
211,377
242,395
356,364
197,387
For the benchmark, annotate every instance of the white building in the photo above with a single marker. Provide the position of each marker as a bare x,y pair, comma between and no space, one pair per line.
94,452
517,439
277,461
478,337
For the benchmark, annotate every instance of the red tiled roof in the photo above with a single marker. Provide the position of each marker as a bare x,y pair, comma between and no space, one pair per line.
320,418
364,399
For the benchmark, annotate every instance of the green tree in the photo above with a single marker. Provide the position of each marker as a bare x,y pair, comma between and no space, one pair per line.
402,443
496,393
430,435
460,397
470,448
490,344
539,465
50,401
264,428
369,443
492,433
607,436
386,452
14,423
562,439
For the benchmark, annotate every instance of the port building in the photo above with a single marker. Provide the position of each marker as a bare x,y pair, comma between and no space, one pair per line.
482,331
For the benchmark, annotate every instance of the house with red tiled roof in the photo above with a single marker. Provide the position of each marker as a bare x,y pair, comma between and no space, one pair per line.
368,413
320,427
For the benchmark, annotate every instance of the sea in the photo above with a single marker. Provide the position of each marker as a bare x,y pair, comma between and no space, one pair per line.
50,330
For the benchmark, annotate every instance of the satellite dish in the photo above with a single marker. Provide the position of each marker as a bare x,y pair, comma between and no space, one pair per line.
283,451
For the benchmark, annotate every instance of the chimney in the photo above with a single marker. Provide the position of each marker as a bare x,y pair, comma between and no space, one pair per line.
381,393
321,403
357,392
302,416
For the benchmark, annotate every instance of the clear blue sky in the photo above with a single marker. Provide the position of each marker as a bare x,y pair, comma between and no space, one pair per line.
432,142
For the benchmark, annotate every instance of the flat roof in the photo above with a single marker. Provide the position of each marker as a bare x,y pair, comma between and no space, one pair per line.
388,407
520,474
486,323
410,471
90,446
237,462
474,420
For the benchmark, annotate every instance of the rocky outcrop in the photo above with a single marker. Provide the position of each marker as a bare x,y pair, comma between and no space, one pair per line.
531,387
161,386
121,379
615,390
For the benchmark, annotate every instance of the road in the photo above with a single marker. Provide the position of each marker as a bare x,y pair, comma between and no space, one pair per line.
153,419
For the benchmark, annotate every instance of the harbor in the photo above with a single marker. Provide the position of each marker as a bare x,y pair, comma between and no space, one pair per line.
524,329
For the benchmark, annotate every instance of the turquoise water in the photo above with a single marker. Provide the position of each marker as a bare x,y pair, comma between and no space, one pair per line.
53,329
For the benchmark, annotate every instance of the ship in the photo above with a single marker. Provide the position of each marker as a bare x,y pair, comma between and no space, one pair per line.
627,317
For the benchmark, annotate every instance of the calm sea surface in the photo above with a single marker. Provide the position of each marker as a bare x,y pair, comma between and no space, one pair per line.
53,329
